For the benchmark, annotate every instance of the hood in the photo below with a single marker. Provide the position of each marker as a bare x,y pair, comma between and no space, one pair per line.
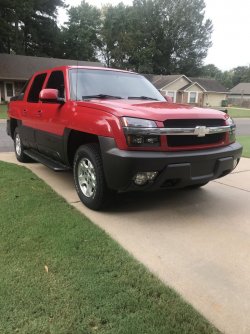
158,111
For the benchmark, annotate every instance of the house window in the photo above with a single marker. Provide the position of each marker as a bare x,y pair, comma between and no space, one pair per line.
172,94
193,97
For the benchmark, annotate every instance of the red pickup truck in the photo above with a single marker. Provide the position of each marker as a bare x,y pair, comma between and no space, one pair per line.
118,133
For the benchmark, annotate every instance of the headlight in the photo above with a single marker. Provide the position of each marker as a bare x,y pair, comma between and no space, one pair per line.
138,140
230,121
232,131
137,122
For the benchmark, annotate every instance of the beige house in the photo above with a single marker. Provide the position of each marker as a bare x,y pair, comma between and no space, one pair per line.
196,91
15,70
240,95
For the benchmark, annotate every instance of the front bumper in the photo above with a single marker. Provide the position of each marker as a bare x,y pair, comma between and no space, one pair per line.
175,169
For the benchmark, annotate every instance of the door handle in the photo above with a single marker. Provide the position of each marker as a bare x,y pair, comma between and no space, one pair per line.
25,111
39,113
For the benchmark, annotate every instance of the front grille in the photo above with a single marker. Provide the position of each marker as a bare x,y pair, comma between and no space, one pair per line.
178,140
174,141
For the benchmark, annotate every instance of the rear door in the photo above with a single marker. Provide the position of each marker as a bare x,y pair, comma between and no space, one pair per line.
53,120
31,110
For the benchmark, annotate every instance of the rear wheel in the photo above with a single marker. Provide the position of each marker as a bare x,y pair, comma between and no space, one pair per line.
89,177
19,148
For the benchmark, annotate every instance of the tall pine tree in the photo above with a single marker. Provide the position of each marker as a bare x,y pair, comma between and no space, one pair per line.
29,27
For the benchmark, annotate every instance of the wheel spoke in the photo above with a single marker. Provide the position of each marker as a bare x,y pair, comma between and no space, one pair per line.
18,145
87,177
81,179
88,192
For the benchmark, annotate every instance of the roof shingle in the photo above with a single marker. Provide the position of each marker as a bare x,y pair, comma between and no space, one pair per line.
160,81
17,67
241,88
210,85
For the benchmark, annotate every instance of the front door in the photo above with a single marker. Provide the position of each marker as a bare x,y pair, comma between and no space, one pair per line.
52,121
9,89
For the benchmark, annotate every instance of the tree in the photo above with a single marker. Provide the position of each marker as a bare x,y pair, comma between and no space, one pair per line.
180,33
210,71
8,25
116,35
159,36
236,75
29,27
81,34
227,79
241,74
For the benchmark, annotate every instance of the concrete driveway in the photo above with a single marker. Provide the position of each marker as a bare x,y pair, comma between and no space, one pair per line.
6,143
196,241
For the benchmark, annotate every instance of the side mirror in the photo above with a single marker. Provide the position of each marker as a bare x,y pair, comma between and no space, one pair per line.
168,98
50,95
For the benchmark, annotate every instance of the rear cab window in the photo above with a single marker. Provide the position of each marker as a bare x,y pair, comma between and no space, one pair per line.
20,96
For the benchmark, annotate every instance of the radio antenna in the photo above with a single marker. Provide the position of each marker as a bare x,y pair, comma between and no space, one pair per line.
77,63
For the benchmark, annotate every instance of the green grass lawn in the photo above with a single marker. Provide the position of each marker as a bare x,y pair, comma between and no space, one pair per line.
3,109
245,142
91,286
238,112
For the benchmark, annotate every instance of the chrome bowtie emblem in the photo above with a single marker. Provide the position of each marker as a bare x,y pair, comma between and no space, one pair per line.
201,131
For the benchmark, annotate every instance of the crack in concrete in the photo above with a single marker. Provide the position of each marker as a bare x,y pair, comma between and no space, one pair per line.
228,185
241,171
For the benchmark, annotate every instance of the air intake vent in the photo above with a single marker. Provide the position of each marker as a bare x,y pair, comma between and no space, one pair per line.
177,140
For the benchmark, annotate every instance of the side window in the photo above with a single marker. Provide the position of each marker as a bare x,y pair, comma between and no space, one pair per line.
36,87
25,86
56,81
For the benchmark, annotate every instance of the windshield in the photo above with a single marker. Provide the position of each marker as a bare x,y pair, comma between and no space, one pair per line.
90,83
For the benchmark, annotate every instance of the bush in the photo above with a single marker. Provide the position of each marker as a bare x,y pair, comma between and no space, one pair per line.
224,103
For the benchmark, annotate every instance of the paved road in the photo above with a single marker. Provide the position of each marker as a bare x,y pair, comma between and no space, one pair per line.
243,126
196,241
6,143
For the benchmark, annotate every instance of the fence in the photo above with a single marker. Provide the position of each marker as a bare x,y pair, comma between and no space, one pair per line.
239,102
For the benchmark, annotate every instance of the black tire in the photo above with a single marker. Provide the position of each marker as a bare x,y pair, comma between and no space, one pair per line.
89,177
19,148
196,186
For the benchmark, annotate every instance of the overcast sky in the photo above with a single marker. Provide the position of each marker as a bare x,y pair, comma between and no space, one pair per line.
231,35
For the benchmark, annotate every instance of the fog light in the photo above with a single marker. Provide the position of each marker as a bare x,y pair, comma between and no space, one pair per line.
142,178
151,175
145,141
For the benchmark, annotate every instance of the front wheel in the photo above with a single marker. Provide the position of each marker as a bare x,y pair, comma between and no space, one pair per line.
89,177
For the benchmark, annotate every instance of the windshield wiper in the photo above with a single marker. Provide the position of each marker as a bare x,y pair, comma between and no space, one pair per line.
142,98
100,96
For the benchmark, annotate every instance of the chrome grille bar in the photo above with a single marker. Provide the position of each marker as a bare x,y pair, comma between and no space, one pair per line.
199,131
